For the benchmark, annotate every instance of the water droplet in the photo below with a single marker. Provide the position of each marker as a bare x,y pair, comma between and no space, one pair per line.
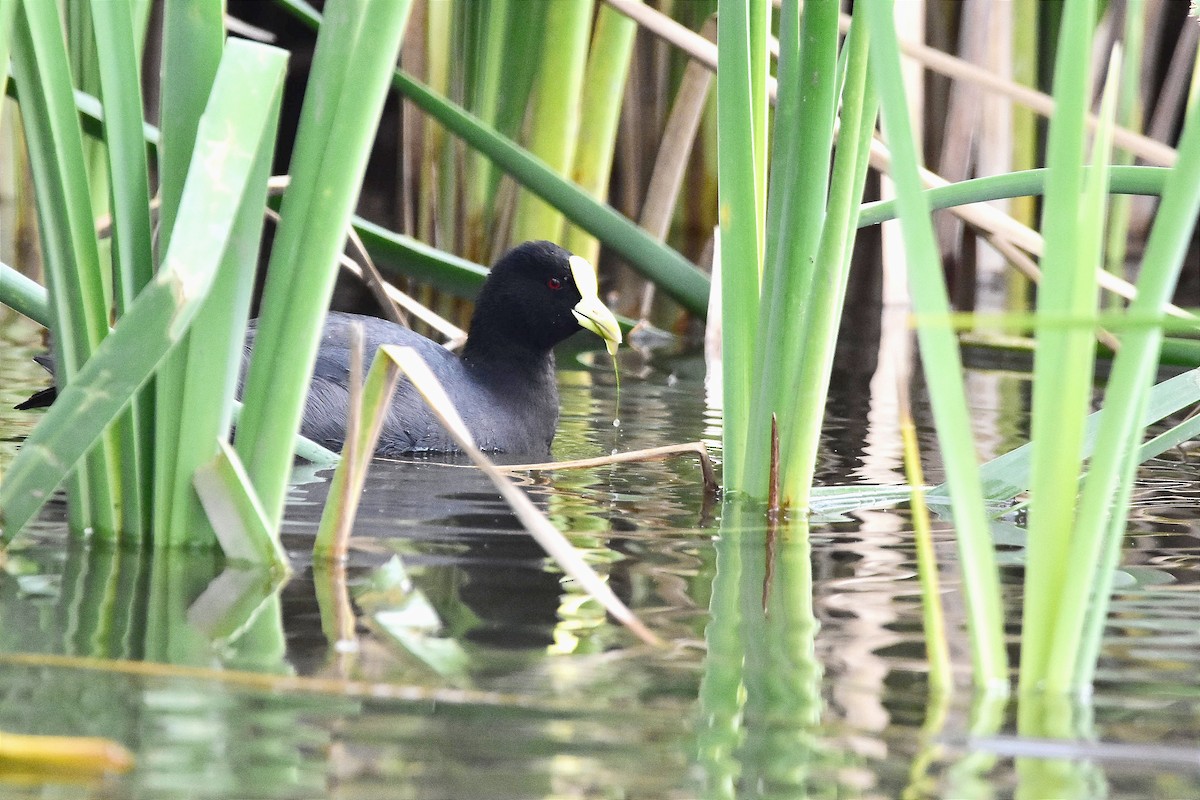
616,423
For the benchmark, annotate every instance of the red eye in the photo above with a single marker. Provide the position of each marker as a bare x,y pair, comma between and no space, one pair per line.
554,283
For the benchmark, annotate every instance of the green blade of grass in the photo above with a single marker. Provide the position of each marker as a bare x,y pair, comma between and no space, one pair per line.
85,74
140,10
1026,183
554,116
1063,359
132,249
1007,476
833,499
231,132
942,363
812,366
1133,369
70,254
24,295
1073,587
193,37
600,112
741,241
304,448
1180,352
353,63
91,116
402,255
759,31
1171,438
8,10
795,217
211,355
235,512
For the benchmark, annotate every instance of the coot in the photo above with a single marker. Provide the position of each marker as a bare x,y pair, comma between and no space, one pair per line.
503,384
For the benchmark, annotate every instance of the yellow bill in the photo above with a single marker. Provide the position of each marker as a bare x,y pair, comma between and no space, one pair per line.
589,311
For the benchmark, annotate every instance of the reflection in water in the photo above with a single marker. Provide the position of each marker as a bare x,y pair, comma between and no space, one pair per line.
515,600
760,697
822,697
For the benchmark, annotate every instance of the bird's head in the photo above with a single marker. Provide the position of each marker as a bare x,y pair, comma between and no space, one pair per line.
540,293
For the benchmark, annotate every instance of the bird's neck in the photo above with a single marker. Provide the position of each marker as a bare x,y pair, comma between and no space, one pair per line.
490,353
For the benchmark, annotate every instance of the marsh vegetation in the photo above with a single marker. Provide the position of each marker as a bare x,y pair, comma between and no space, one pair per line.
954,453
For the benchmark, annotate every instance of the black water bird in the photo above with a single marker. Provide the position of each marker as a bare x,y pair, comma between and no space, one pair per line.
503,384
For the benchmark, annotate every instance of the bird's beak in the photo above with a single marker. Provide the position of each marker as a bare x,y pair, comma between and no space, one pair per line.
589,311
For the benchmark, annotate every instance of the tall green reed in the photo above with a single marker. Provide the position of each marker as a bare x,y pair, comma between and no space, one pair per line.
677,276
132,248
600,112
942,363
193,39
742,182
1099,526
8,10
356,51
785,257
494,52
1063,364
1075,538
215,161
795,208
70,252
555,110
230,143
1074,542
811,369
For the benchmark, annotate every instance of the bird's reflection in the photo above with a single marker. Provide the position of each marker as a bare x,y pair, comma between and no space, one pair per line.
464,542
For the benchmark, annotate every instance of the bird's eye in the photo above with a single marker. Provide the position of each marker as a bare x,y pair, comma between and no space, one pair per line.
554,283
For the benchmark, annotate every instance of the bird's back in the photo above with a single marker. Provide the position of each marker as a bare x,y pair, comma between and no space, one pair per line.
502,415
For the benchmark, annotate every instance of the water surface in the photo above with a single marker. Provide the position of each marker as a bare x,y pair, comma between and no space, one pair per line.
526,690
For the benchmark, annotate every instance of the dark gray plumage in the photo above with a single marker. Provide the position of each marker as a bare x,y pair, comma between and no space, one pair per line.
503,385
509,404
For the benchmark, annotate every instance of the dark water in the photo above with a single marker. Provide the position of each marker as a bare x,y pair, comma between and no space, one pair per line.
526,690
